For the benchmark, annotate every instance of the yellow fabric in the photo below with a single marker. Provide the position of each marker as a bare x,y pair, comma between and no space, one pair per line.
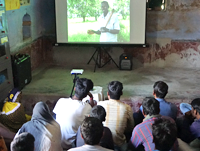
9,106
28,117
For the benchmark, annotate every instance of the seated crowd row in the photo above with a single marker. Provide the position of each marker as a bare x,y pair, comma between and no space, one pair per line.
107,125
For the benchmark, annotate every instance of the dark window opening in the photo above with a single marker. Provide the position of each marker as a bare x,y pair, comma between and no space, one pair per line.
26,25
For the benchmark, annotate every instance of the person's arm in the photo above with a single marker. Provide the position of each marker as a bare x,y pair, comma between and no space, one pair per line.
98,32
135,140
130,121
91,101
194,128
112,31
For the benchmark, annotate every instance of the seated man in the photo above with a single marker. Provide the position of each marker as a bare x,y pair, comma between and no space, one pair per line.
70,112
160,90
119,118
164,134
13,115
106,140
91,131
189,124
142,133
23,142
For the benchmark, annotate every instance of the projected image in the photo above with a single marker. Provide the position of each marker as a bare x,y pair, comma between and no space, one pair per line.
98,21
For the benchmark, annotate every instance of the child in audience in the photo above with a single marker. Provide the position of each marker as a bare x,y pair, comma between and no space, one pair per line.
164,134
106,140
91,131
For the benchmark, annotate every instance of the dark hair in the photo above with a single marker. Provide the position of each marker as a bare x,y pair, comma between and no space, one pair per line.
92,130
196,104
160,89
99,112
164,134
151,106
115,90
83,86
105,2
23,142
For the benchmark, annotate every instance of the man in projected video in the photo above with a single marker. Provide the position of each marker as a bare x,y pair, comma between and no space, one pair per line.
108,25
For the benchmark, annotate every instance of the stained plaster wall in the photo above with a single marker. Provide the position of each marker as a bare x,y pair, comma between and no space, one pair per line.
42,15
173,35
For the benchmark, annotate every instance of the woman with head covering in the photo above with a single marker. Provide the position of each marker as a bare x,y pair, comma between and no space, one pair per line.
44,128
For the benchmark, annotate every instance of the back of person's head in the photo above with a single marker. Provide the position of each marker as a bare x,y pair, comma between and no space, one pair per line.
92,130
151,106
23,142
83,86
160,89
196,104
164,134
99,112
115,90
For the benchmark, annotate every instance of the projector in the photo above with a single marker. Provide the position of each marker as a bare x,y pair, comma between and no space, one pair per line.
125,62
77,71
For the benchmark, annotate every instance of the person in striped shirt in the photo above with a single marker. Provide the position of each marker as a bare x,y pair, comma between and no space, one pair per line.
119,116
142,134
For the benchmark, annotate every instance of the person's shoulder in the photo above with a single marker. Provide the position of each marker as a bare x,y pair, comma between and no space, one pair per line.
107,130
168,117
103,102
196,123
127,105
63,100
100,148
75,149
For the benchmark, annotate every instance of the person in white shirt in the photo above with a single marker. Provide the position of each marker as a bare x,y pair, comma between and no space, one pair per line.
108,25
70,112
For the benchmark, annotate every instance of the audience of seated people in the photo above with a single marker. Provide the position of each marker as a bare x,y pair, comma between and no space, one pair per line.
106,140
164,133
156,129
119,117
23,142
91,131
160,90
70,112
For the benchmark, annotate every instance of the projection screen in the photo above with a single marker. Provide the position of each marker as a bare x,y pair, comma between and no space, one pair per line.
101,22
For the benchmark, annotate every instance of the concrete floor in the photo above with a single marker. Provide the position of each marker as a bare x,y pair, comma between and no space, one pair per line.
54,80
49,83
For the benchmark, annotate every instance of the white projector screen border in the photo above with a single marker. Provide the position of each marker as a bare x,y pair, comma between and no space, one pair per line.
137,24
